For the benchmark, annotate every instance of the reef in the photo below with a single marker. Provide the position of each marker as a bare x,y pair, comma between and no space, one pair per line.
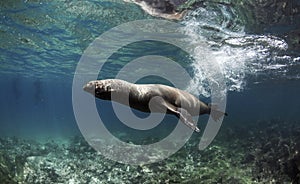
266,152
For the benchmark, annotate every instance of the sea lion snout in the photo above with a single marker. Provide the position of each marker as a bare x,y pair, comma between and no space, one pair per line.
97,87
90,87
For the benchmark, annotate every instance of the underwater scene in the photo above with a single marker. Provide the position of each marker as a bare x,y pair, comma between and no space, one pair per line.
215,100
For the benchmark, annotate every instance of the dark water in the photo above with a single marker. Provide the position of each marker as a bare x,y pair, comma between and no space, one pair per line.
42,42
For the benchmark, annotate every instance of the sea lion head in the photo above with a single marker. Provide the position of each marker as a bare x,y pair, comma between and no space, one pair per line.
99,88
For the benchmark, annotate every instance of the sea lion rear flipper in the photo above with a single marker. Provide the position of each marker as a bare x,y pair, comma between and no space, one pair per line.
215,112
183,115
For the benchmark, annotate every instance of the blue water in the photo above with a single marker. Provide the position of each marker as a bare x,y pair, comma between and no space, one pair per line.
42,42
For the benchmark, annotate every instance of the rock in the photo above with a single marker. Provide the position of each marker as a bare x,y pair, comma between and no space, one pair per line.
293,39
266,15
6,170
168,9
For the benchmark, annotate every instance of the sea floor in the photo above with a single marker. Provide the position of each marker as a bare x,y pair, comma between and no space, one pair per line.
268,153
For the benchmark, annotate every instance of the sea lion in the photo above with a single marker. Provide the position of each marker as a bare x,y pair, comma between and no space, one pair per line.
164,99
162,8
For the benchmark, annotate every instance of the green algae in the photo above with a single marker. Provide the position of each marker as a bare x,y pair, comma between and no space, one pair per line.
6,169
268,153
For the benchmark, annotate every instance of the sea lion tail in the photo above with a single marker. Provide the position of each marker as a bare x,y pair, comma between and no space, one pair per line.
215,113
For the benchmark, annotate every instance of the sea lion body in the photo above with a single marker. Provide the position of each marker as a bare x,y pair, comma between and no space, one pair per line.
150,98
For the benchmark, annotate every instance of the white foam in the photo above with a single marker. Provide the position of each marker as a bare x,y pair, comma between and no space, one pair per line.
235,53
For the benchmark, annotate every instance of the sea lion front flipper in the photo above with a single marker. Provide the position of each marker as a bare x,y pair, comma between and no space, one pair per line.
183,115
187,119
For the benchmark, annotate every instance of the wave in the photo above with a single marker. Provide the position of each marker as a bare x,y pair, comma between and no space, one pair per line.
219,40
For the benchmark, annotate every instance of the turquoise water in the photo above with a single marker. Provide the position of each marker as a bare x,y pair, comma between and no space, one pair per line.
42,42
